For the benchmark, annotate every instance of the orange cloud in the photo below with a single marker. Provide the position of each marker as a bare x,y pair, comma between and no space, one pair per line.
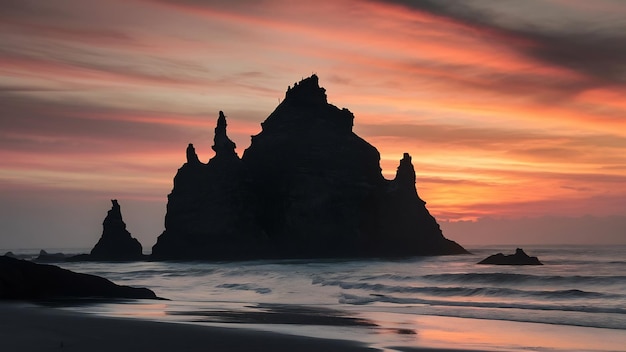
500,120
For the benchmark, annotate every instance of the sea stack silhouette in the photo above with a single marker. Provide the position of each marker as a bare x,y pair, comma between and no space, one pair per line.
307,187
116,242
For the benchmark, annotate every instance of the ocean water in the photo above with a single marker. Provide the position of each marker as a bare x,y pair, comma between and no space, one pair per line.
576,301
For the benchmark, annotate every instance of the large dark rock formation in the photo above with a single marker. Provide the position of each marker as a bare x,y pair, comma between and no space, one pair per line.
24,280
116,242
307,187
519,258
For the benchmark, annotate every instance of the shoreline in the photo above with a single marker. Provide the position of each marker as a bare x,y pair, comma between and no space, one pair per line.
26,327
31,328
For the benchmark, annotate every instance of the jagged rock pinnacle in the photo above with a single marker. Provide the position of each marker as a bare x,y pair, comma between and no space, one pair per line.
116,242
405,176
305,110
114,221
222,144
192,157
307,92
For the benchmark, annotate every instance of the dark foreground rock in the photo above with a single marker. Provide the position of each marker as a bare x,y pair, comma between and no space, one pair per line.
116,243
307,187
24,280
519,258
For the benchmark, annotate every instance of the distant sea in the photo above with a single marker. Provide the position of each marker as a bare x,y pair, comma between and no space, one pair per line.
576,301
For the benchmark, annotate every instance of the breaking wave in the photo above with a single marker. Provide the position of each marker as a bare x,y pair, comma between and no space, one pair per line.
467,291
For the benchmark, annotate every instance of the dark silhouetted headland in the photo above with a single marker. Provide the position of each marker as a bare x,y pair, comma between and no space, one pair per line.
307,187
24,280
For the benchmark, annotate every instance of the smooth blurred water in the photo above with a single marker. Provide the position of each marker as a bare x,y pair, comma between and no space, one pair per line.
577,286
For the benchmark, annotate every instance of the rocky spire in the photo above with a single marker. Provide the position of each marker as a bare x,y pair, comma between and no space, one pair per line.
222,144
116,242
192,157
405,176
113,223
305,109
307,92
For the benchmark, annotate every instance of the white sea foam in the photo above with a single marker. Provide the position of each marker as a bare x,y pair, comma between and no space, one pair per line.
577,286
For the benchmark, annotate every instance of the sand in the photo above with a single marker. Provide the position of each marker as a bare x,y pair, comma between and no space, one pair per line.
26,328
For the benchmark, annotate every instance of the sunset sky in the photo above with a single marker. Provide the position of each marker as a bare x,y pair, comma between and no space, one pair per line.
514,111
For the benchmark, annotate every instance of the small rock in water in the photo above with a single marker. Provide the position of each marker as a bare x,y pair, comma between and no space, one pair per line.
519,258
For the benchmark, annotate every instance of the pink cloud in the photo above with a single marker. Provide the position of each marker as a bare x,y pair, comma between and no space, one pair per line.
108,98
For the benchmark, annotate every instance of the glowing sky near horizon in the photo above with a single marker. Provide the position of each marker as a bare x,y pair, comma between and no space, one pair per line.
510,109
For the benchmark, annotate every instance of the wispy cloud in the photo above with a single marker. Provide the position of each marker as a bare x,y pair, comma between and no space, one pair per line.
589,44
507,107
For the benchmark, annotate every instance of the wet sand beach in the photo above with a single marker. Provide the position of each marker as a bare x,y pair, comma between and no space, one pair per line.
28,328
